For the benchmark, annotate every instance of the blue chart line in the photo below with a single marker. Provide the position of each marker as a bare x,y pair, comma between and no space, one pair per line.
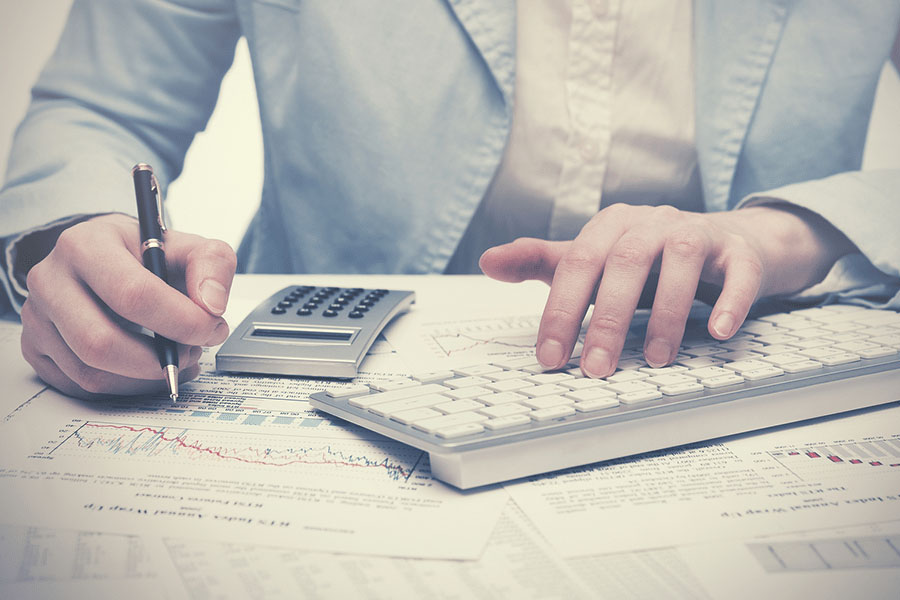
391,459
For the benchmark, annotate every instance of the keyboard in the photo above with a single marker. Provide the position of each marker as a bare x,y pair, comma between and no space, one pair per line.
510,418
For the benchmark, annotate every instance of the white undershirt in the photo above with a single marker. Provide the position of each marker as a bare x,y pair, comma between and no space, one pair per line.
604,113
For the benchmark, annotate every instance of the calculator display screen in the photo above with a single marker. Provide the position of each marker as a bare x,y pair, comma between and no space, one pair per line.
304,334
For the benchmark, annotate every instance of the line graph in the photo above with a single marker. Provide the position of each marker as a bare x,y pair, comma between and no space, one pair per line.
358,458
482,338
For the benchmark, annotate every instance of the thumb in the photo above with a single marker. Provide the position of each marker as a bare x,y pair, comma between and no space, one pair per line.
525,258
208,268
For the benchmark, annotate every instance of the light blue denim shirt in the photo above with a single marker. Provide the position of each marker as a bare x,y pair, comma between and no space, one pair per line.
384,122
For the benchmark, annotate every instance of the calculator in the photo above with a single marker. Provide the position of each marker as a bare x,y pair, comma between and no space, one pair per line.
312,331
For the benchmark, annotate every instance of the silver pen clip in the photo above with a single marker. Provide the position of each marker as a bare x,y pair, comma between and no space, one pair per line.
159,202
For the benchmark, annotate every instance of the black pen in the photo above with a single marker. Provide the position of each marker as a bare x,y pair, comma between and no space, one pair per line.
153,225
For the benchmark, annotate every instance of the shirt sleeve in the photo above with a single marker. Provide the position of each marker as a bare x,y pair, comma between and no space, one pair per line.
129,82
864,206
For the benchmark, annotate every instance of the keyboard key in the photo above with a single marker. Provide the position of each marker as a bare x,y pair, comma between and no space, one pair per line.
504,410
855,346
373,399
840,359
500,398
812,343
467,393
701,361
506,375
709,350
681,388
508,385
389,408
783,359
590,394
722,380
584,383
673,379
507,422
349,390
548,401
598,404
458,406
741,345
640,396
553,412
543,378
455,431
779,338
474,370
395,384
631,364
407,417
763,373
543,390
746,365
434,424
628,387
623,376
434,376
514,363
778,349
877,352
709,372
464,382
663,370
801,366
739,355
820,352
891,339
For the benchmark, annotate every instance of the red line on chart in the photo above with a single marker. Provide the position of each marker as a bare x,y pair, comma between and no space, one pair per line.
179,441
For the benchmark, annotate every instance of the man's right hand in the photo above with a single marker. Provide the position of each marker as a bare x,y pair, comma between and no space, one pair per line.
89,297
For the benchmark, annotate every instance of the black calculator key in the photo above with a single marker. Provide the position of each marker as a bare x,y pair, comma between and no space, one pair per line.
329,313
285,304
303,312
361,309
355,314
278,310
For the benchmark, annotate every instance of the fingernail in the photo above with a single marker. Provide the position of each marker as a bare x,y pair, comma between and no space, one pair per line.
550,354
597,363
212,293
219,334
658,352
723,324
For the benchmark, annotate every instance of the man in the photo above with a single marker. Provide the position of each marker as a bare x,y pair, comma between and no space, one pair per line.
411,136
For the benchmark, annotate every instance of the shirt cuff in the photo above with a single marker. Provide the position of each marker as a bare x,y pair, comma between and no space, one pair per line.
11,276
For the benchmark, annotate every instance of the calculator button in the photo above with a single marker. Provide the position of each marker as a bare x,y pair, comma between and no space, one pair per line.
329,313
304,312
359,308
278,311
355,314
336,306
311,304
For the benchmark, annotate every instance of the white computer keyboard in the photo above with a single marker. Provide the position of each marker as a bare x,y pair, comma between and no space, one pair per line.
507,419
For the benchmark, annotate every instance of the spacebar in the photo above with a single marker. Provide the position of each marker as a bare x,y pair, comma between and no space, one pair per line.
411,392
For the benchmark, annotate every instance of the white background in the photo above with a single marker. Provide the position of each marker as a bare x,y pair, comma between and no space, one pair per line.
219,189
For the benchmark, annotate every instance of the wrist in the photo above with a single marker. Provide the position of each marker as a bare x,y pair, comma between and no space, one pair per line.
797,246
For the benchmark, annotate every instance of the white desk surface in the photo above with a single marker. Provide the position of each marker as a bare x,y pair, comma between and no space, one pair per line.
517,561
